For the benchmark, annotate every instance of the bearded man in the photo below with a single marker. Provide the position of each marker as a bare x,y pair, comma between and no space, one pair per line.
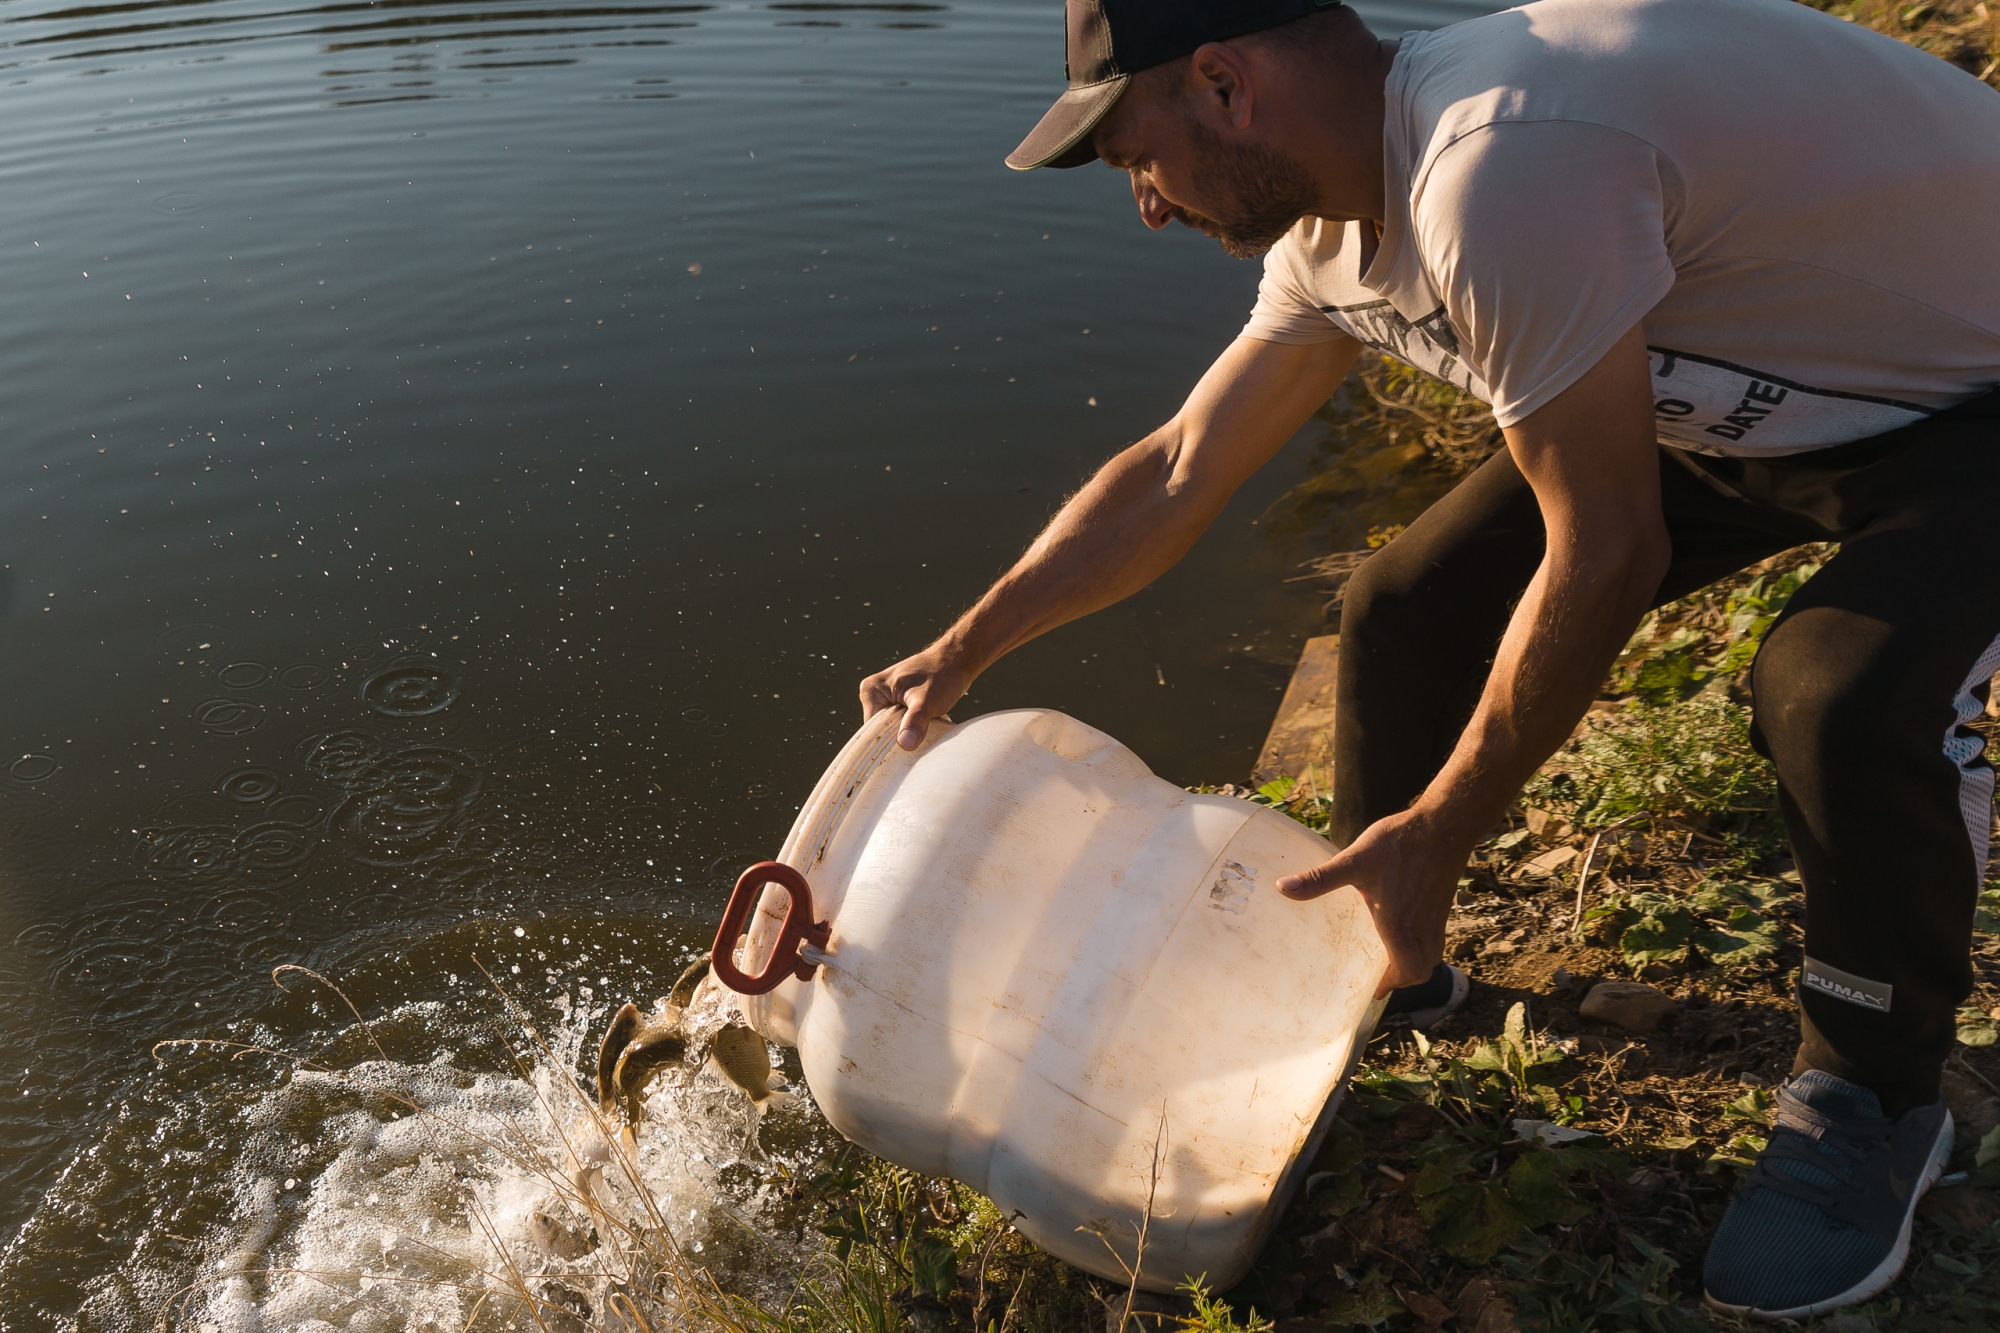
1726,271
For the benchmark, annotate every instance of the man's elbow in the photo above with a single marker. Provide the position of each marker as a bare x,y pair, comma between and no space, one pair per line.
1648,556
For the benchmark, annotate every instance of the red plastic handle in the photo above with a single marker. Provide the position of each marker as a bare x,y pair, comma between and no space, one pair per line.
799,928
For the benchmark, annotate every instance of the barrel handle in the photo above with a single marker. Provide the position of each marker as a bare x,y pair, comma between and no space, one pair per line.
799,928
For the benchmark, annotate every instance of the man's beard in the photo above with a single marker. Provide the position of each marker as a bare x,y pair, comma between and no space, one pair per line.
1268,191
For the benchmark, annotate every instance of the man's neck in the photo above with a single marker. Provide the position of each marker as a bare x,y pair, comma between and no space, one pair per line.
1339,136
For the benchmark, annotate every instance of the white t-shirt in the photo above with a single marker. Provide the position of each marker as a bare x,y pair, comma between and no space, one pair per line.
1805,215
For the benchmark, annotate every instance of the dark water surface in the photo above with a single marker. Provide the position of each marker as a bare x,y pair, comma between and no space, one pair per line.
459,460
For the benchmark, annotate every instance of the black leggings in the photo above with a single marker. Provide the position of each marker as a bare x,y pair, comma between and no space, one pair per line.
1861,695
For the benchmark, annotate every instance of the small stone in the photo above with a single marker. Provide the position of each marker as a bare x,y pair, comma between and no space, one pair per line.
1750,1078
1493,947
1482,1308
1465,948
1629,1005
1562,980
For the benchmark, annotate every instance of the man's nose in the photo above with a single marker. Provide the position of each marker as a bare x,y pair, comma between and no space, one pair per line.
1154,210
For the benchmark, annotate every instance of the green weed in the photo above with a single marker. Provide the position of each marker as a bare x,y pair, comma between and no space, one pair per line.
1691,760
1729,924
1562,1291
1371,1304
1480,1186
1213,1315
1693,655
937,1252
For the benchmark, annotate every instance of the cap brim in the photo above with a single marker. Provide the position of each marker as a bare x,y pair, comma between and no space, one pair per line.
1063,137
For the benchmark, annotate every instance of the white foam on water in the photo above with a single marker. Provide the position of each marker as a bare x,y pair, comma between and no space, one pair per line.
423,1217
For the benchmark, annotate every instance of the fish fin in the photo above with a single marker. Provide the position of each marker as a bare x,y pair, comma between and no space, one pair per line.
771,1101
624,1024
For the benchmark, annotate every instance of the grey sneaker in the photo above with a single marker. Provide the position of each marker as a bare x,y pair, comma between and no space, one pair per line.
1823,1219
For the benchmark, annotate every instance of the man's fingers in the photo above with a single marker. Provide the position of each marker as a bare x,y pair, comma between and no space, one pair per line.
916,720
1320,880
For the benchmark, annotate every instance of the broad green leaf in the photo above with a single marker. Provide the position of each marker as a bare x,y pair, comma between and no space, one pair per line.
1975,1027
1516,1029
1754,1106
1657,937
1370,1305
1475,1221
934,1266
1535,1183
1278,790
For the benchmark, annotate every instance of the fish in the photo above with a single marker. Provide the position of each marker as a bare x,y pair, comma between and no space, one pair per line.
744,1058
637,1046
561,1308
657,1044
559,1236
682,995
625,1025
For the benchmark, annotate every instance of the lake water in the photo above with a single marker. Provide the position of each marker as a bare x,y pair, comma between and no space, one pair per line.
460,459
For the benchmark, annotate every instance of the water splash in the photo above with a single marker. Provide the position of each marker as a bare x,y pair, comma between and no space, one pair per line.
398,1195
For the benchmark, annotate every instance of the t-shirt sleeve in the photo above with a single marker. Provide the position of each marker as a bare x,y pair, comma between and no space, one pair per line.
1284,313
1547,241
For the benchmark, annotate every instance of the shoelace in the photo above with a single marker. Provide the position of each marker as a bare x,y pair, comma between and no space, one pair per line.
1834,1148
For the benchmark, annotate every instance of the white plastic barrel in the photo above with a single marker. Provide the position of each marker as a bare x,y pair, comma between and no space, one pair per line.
1069,984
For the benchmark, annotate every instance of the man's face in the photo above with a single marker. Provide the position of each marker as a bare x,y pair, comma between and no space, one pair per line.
1244,195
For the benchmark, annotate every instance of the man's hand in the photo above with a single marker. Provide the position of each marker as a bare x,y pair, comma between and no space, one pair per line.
1592,457
926,685
1130,522
1407,875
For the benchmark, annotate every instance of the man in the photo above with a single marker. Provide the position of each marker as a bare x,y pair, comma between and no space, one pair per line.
1725,270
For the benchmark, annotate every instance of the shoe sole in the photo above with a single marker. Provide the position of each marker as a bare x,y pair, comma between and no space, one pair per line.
1885,1272
1461,986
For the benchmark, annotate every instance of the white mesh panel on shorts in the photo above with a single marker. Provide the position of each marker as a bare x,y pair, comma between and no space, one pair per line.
1964,747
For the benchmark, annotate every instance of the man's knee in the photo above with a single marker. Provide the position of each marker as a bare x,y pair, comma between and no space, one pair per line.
1824,684
1382,601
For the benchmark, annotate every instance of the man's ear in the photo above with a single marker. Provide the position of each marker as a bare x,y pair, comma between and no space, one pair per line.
1221,82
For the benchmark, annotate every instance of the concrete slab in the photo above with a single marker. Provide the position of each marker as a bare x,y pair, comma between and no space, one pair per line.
1300,743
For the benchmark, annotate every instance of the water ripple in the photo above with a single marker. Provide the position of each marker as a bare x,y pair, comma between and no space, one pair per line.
412,689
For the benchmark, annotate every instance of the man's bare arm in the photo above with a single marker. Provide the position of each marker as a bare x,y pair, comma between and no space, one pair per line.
1593,461
1129,524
